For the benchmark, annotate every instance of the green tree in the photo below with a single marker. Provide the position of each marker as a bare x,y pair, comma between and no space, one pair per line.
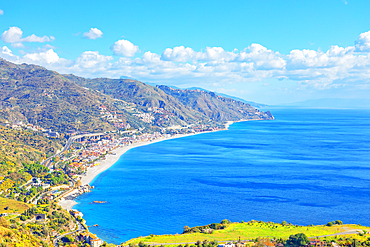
299,239
225,222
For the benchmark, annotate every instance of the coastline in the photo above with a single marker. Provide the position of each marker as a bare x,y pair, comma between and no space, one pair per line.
67,202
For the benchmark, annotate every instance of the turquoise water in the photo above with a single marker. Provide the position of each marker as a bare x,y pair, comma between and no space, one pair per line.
309,166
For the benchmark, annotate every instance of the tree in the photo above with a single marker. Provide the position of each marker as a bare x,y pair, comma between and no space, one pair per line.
225,222
186,229
299,239
338,222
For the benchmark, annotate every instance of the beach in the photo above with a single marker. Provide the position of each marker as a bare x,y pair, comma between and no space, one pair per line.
67,202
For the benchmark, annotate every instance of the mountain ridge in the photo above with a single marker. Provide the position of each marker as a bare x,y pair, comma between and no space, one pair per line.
66,103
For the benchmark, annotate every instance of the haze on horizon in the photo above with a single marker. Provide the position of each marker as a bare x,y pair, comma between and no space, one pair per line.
270,52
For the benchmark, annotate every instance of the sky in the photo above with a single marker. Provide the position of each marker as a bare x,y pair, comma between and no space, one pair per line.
269,52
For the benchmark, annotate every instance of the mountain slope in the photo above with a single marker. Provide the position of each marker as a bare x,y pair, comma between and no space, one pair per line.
64,103
42,97
189,105
216,107
139,93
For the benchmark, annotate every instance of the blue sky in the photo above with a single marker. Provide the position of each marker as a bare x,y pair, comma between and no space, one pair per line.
266,51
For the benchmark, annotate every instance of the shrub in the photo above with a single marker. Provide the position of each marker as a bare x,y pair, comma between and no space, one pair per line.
329,224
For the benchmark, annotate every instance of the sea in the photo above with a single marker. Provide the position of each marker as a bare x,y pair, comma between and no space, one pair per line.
308,166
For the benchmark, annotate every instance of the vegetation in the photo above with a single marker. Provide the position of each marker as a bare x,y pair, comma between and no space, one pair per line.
19,147
12,207
248,230
299,239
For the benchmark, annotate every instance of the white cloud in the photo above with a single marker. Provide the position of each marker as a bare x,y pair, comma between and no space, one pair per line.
362,43
34,38
335,67
93,33
262,57
46,57
6,53
124,48
17,45
92,59
178,54
14,36
1,12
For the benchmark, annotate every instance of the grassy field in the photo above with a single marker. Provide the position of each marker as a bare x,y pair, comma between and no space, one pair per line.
13,206
249,230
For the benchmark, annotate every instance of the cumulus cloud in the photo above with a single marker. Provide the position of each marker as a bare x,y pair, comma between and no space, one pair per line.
362,43
262,57
6,53
178,54
14,36
1,12
92,59
93,33
34,38
124,48
320,69
46,57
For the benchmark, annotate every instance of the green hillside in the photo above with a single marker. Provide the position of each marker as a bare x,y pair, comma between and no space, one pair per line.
20,146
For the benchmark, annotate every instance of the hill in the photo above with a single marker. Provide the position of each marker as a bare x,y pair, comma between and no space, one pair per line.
189,105
23,146
139,93
254,104
246,230
216,107
45,98
68,103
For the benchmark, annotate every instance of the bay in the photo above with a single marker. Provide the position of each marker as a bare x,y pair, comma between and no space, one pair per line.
309,166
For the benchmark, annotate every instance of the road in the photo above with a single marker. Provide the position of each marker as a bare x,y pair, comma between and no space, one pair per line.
355,231
80,228
67,146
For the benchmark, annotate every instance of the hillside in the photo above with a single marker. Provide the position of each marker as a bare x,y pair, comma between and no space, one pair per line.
216,107
248,230
67,103
188,105
45,98
19,146
139,93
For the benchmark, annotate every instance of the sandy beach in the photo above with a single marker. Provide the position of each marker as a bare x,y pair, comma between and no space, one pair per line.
68,201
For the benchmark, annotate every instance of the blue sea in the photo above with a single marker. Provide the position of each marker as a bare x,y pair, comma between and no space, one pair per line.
309,166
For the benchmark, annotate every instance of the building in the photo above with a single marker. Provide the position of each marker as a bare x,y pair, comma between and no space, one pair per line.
91,239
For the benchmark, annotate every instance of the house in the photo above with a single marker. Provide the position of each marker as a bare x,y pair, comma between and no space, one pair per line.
95,241
207,230
54,134
75,213
316,243
227,245
91,239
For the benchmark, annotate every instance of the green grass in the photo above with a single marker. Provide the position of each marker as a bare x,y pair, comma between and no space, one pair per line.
249,230
13,206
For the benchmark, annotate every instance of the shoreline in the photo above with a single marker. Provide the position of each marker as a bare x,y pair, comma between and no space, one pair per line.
67,202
